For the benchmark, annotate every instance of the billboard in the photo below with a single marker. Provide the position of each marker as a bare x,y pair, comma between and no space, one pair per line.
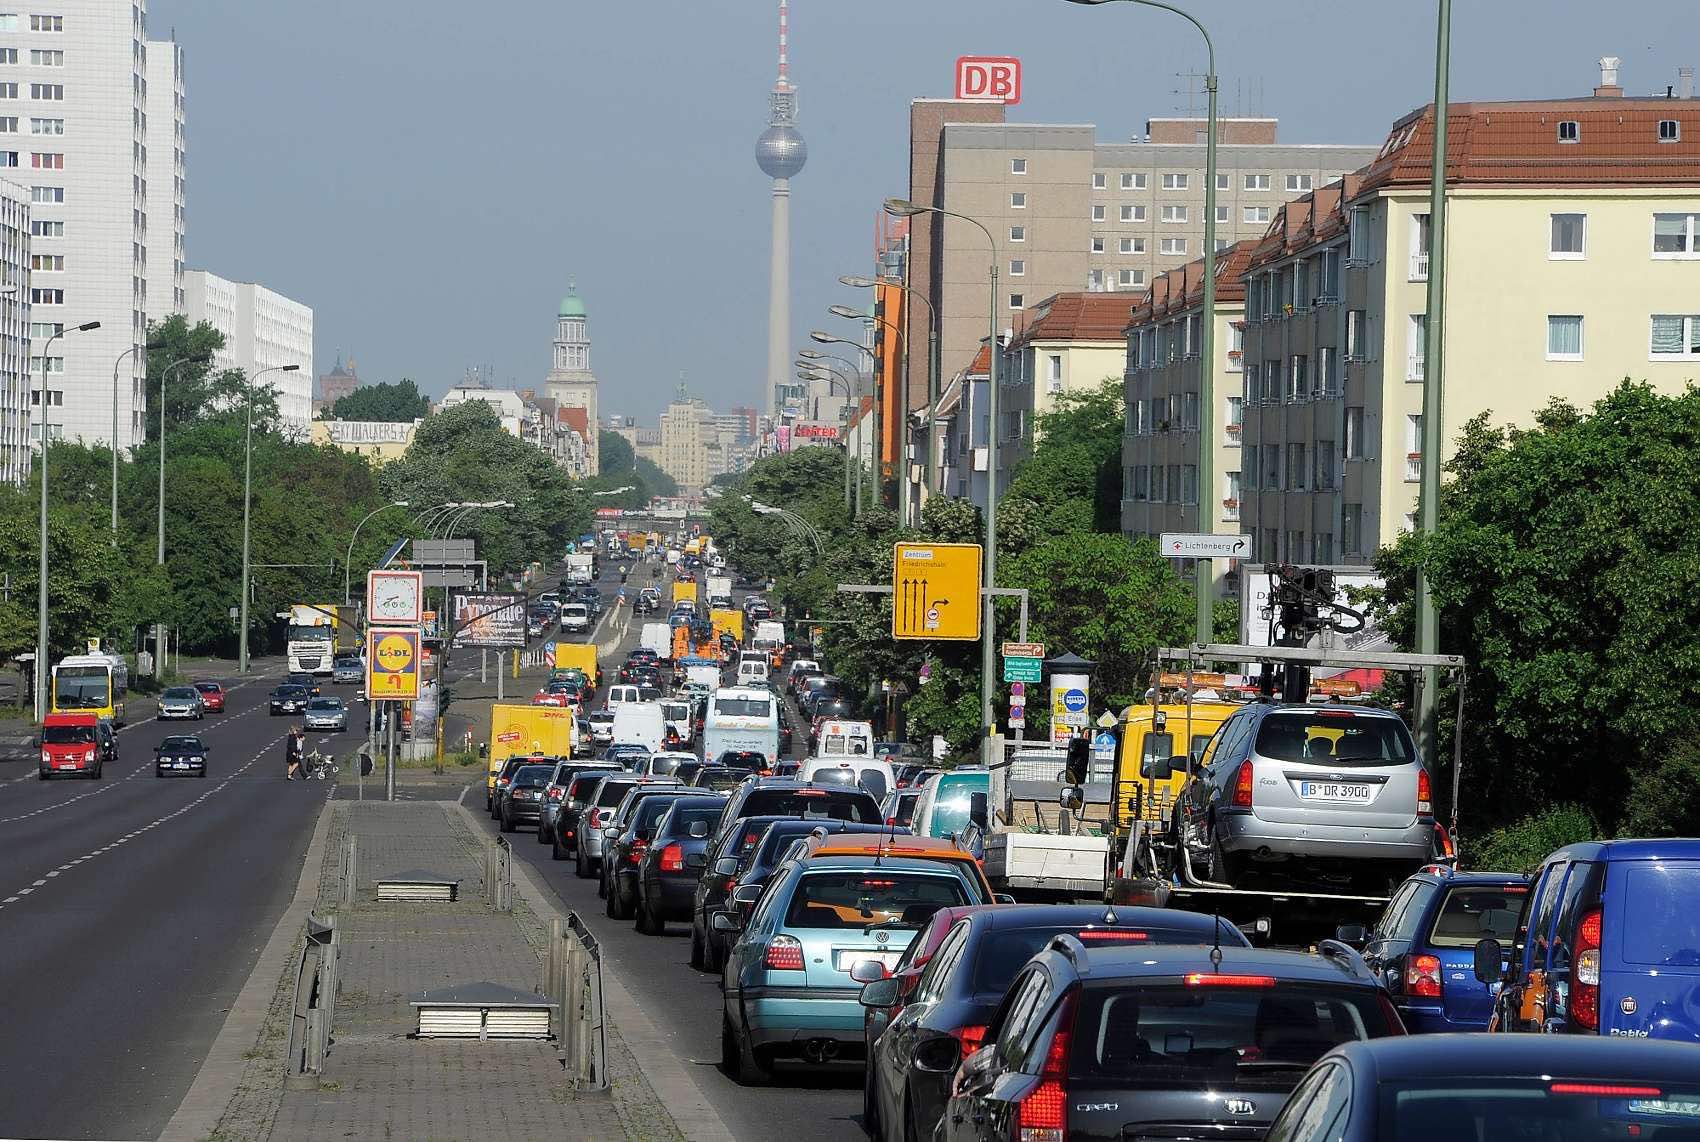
988,79
393,657
495,622
1254,611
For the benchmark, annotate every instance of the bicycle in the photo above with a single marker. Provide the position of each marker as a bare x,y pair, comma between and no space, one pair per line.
317,767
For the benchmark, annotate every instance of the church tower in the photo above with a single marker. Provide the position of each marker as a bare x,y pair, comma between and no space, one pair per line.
570,381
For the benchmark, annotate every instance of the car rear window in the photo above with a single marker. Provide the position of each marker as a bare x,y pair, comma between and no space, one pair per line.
582,787
650,810
1214,1036
664,766
613,793
1002,952
1648,1111
533,774
1334,737
1473,913
904,810
682,818
813,804
743,707
873,899
1661,899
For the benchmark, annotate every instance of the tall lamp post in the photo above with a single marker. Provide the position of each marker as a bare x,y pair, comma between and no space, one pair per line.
913,294
151,346
348,558
821,337
880,425
811,371
1207,335
247,499
41,665
159,626
903,208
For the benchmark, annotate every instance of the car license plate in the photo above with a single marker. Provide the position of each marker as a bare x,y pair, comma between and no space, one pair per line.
1347,791
846,959
65,765
180,765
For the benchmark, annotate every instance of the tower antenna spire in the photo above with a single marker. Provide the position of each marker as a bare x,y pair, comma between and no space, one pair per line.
784,45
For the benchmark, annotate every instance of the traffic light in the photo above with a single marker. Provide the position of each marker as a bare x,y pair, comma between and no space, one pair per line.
1079,757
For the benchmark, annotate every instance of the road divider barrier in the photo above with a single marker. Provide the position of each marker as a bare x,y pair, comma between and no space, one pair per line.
499,875
573,979
314,1010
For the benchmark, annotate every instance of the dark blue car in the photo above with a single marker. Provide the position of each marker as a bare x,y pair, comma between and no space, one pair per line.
1608,944
1424,944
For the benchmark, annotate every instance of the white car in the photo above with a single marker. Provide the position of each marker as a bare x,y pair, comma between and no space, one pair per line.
575,617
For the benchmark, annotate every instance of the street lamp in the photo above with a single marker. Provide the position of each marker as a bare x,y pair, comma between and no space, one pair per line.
856,282
348,559
150,347
815,362
247,498
821,337
880,426
159,625
41,592
903,208
1207,333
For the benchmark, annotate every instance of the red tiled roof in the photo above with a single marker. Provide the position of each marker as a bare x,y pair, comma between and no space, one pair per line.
1182,288
576,419
1080,316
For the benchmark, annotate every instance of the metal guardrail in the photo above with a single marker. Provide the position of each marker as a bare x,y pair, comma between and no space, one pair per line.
574,981
499,875
346,874
314,1011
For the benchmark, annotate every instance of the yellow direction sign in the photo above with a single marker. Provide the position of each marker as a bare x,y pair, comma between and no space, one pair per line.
935,590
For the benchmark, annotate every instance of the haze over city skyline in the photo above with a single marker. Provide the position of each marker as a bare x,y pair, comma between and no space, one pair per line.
432,202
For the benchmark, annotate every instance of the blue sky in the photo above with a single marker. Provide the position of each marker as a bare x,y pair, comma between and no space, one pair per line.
428,176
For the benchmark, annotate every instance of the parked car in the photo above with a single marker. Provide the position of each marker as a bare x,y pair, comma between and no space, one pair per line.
347,670
212,696
180,753
1128,1041
668,870
287,699
181,702
1474,1086
1314,789
520,802
1608,944
626,840
941,1016
555,794
787,983
327,714
1424,944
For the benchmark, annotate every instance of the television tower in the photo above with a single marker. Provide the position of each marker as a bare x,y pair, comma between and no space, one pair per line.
781,153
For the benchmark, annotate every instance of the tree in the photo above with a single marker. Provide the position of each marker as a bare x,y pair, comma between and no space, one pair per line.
399,401
82,576
620,467
194,390
1073,478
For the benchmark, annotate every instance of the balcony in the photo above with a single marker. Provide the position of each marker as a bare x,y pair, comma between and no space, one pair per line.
1419,267
1414,369
1413,467
1230,510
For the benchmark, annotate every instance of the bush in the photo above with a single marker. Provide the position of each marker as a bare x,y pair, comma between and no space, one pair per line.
1521,847
1664,796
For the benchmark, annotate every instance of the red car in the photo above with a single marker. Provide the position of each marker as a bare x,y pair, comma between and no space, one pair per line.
212,696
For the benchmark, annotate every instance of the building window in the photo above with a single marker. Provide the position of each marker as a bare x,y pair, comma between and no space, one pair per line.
1133,182
1017,166
1569,236
1141,482
1017,267
1357,335
52,92
47,23
1015,301
1357,236
1675,335
1189,412
1189,483
1159,484
8,21
1298,182
1018,200
1248,462
1419,247
8,91
1355,433
1564,337
46,328
1674,235
1329,272
1099,181
1327,372
44,161
1133,213
1018,233
1095,281
41,58
8,158
54,365
1418,347
1256,182
47,126
1098,213
1174,214
1324,465
47,194
1176,181
1132,246
1221,216
1322,548
1221,181
1298,378
40,228
1174,246
47,261
8,55
1670,131
1352,529
1130,278
1097,245
1272,467
1233,416
1569,131
47,296
1413,447
1254,215
1295,546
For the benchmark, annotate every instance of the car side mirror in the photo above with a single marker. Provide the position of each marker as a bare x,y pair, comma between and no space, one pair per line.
1069,797
1002,898
868,971
1353,935
1489,960
977,812
879,993
726,866
726,922
747,894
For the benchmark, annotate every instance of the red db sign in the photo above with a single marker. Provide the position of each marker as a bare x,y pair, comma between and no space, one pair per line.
988,79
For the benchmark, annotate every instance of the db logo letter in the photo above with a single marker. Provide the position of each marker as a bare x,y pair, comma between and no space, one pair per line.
989,79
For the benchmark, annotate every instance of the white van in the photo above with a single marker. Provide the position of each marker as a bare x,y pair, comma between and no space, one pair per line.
871,773
844,738
621,695
752,672
640,723
679,720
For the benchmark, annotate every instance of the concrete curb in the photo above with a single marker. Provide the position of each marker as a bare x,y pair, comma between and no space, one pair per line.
221,1072
679,1093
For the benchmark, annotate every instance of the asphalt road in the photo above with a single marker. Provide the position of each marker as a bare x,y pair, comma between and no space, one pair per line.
132,910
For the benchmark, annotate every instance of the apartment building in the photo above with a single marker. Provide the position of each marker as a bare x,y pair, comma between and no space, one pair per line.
1165,367
1573,261
263,330
73,128
16,381
165,180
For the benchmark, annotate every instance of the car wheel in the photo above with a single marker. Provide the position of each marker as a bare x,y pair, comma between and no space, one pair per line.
542,837
1225,867
581,864
608,905
44,774
640,918
203,772
870,1103
911,1129
556,852
742,1065
507,824
697,960
94,775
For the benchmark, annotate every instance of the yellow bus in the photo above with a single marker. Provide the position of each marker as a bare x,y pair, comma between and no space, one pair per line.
91,684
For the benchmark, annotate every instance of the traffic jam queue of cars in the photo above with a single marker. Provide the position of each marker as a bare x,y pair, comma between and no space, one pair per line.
849,927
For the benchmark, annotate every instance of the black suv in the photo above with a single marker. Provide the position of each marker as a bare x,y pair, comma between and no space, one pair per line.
787,797
1159,1041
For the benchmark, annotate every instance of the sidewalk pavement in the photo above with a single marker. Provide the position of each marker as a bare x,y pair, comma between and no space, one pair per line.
378,1083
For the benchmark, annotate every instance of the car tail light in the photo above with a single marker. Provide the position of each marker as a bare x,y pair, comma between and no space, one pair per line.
1043,1115
553,792
1223,979
1242,785
673,858
972,1038
784,953
1425,794
1422,977
638,849
596,818
1585,972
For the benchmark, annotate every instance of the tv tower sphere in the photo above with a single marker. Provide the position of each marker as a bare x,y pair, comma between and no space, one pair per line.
781,151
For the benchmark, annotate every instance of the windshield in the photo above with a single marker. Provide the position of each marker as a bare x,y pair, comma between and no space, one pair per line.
743,707
1333,737
182,744
1204,1038
875,898
183,693
828,804
320,633
67,735
81,687
1477,913
325,704
950,811
1534,1108
292,691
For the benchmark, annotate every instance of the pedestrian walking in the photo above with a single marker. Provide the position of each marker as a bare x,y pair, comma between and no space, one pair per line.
294,752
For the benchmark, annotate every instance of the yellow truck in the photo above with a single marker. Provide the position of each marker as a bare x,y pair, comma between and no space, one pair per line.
685,590
728,622
547,731
577,656
1171,729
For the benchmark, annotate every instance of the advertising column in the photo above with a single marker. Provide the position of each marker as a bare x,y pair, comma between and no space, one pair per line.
1070,700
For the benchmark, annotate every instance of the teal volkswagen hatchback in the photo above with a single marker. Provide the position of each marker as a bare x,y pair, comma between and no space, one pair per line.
787,988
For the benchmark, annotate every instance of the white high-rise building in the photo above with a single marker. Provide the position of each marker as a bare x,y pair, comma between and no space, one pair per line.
73,122
164,224
262,330
15,380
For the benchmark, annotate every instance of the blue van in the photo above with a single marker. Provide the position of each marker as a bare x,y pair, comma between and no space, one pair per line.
951,802
1608,944
1423,946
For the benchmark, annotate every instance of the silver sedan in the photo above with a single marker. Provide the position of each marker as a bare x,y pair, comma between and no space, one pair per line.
326,714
